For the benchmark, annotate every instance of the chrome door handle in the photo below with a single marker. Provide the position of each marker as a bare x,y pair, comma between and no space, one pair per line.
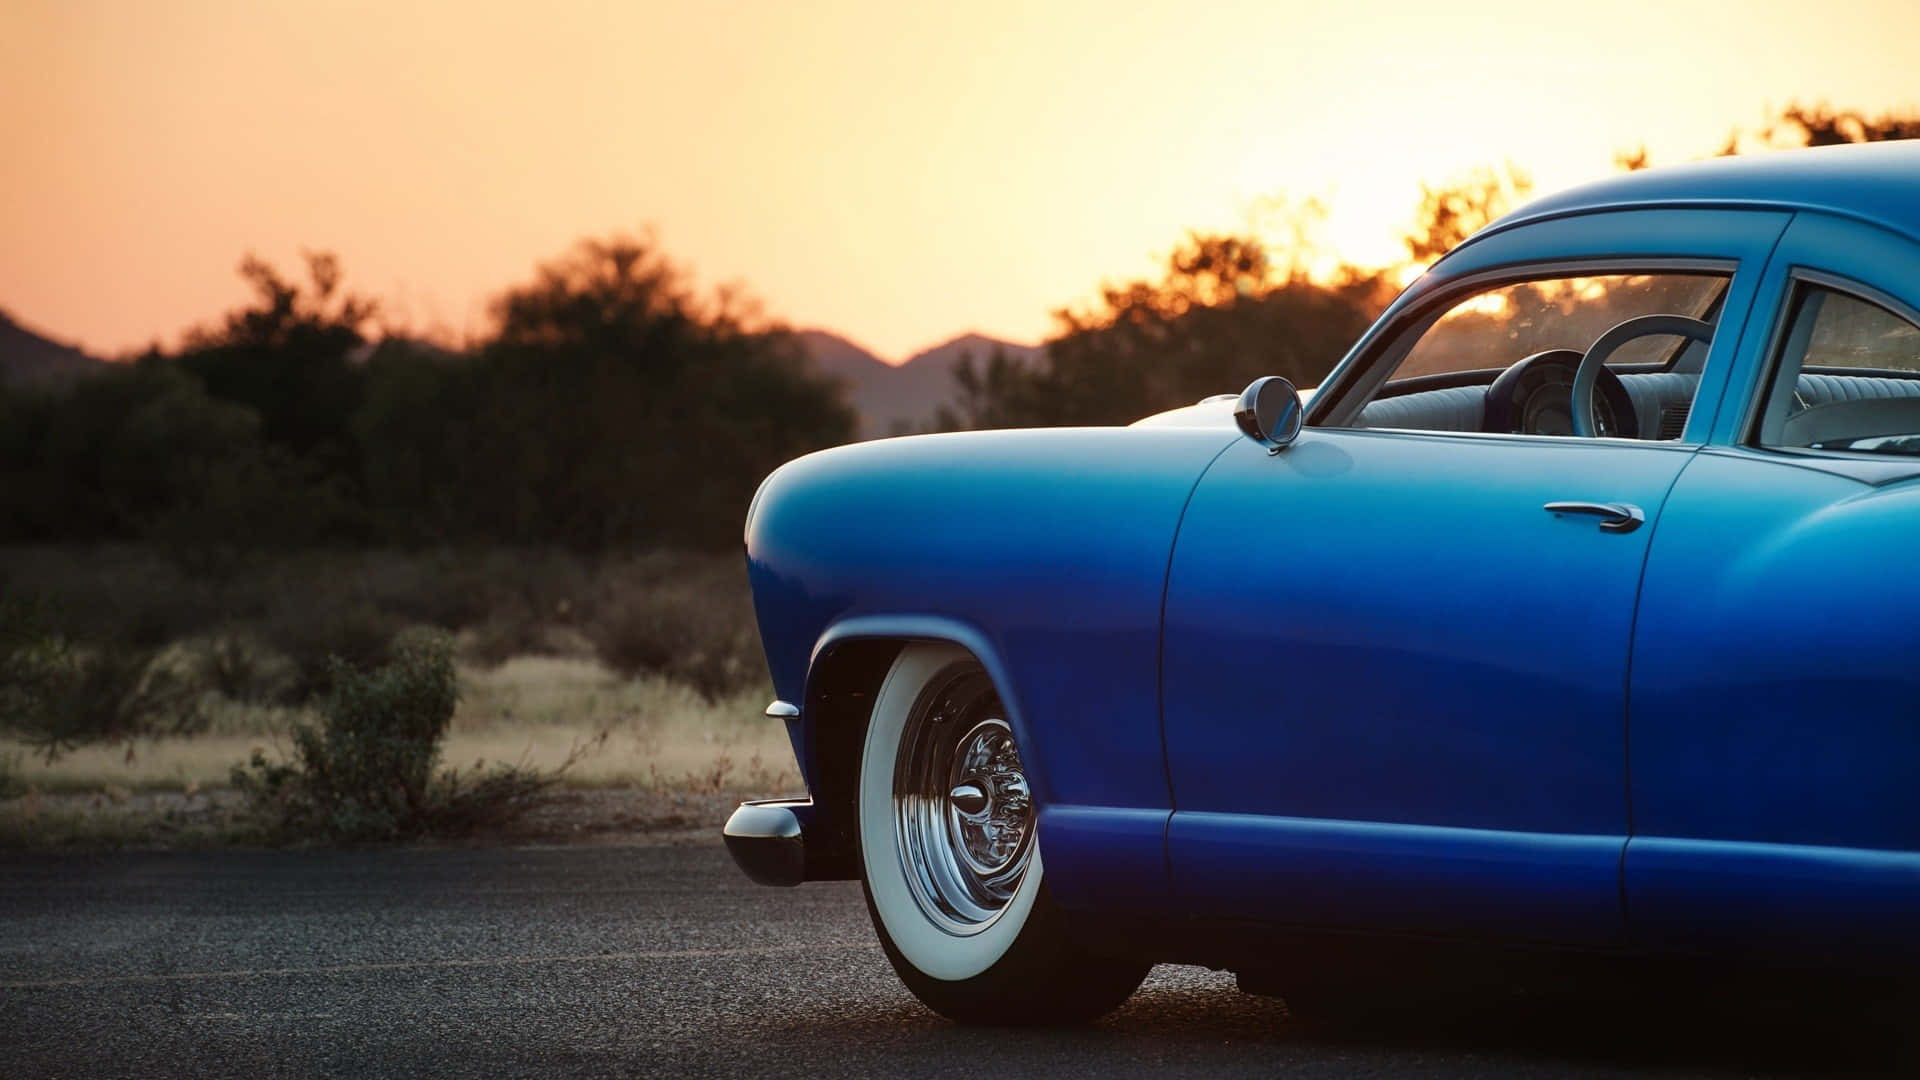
1614,517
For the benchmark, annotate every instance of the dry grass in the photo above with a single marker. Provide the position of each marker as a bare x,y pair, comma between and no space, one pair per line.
659,733
685,615
641,669
116,818
534,711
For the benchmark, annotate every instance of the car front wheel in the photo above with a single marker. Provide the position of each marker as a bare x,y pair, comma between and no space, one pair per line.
951,859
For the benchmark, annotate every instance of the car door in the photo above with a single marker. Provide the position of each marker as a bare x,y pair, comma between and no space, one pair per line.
1775,723
1394,661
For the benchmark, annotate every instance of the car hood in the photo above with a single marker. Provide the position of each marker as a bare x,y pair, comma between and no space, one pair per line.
1210,412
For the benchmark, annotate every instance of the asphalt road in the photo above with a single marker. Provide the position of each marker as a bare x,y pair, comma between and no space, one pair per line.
665,961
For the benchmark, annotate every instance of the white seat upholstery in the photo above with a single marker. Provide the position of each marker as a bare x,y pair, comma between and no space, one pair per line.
1456,408
1657,397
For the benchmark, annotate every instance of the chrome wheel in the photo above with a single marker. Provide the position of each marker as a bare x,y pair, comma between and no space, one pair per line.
963,814
950,860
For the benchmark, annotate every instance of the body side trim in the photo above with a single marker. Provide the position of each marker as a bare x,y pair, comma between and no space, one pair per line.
1522,886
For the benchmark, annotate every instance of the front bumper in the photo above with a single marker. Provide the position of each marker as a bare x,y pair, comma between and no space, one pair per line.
782,842
768,840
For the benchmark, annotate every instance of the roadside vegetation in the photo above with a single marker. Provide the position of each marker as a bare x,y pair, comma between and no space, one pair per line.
306,577
568,674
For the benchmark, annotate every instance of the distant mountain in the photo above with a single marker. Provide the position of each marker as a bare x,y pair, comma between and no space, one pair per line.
894,399
890,399
27,359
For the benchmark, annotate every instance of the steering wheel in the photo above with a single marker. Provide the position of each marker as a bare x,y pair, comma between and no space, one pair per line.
1534,397
1608,343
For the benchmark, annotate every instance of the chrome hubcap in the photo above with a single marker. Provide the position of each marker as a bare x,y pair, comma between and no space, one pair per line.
963,812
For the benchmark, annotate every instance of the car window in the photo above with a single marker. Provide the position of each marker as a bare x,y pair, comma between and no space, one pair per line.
1493,329
1463,370
1846,377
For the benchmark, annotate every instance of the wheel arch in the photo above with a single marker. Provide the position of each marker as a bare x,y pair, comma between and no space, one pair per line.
849,662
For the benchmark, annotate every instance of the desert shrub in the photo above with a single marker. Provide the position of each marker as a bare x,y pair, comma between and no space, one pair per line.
500,639
225,665
363,772
688,618
55,695
28,652
509,601
367,771
97,592
12,779
320,637
267,629
672,633
240,667
110,692
446,588
534,603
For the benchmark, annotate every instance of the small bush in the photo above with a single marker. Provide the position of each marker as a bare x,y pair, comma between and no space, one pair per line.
499,640
686,616
110,592
367,771
57,696
679,637
240,668
11,781
689,619
319,638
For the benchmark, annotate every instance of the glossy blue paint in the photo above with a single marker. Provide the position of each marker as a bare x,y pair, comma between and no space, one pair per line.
1869,255
1370,683
1791,902
1775,743
1046,549
1872,183
1107,859
1461,661
1531,887
1776,677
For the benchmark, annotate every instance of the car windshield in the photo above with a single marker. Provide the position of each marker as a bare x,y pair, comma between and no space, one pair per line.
1491,330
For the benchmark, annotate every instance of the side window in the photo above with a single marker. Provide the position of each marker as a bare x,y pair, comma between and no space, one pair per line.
1504,360
1847,377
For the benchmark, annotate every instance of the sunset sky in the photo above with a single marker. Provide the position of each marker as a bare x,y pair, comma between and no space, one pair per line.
896,171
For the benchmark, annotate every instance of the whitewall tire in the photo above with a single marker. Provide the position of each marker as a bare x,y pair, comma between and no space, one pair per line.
951,857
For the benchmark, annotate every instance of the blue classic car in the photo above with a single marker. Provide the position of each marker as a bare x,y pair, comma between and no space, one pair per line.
1578,610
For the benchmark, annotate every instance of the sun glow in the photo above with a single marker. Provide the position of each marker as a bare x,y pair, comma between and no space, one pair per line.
1493,304
896,171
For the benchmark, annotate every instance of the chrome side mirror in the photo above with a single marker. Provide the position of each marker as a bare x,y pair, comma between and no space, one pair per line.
1270,412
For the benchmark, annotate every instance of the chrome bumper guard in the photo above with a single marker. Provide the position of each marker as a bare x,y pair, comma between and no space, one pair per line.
781,842
767,839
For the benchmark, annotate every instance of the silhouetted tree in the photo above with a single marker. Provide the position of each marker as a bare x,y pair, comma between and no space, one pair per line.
997,392
611,406
56,482
1632,160
142,451
1452,211
615,407
1821,124
1219,317
288,355
1797,126
420,410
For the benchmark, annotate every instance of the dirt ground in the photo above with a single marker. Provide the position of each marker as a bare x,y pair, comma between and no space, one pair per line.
620,816
162,821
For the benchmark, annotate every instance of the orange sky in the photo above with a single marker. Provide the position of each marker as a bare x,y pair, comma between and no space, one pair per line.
897,171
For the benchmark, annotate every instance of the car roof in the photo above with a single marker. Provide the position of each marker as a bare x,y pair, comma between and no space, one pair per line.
1875,182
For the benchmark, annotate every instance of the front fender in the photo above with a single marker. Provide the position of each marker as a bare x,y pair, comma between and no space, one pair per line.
1043,552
